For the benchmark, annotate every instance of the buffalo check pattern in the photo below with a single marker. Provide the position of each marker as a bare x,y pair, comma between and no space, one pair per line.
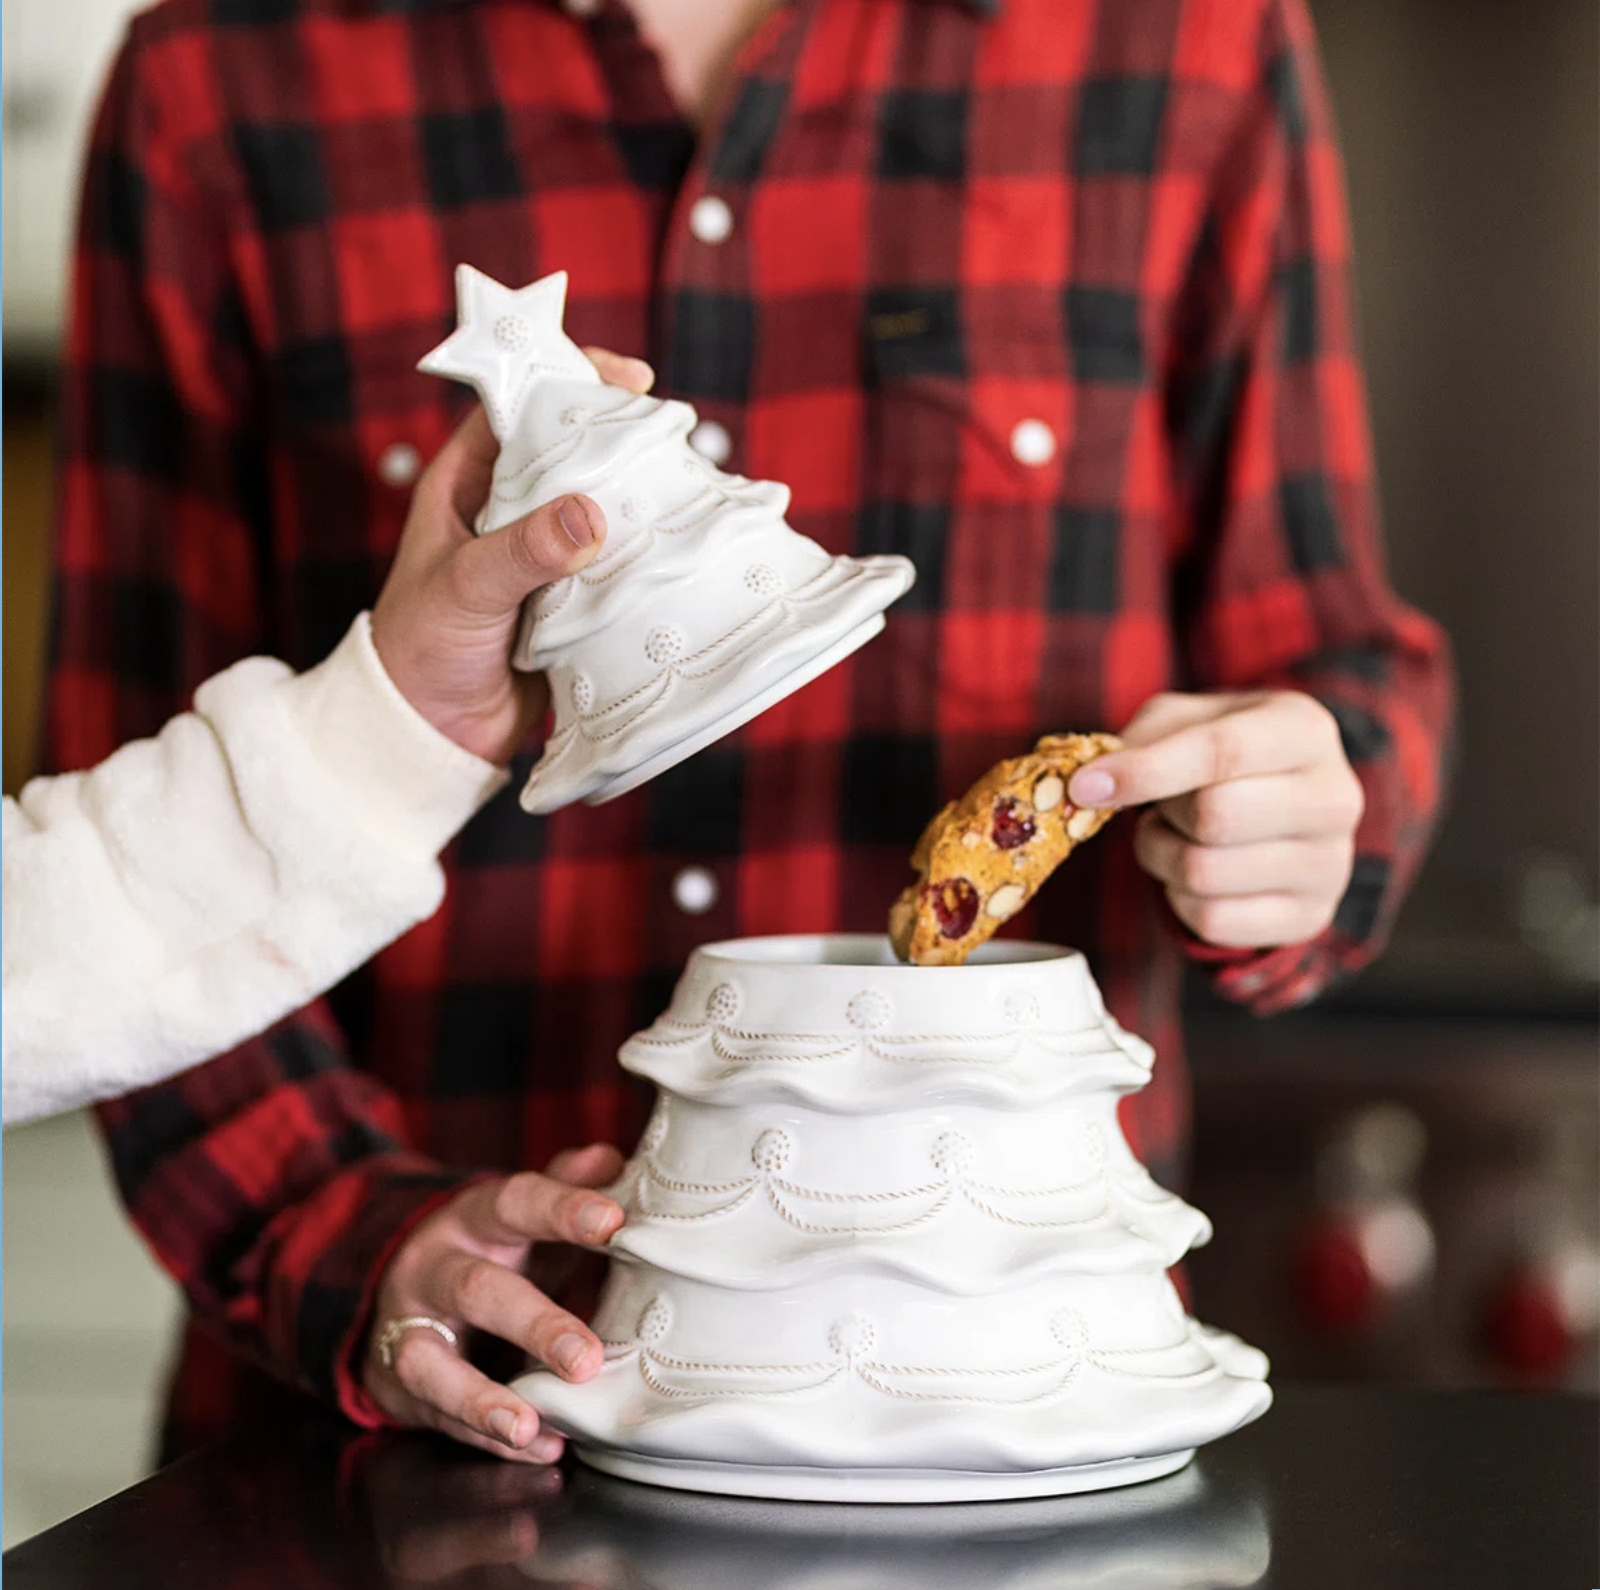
1120,220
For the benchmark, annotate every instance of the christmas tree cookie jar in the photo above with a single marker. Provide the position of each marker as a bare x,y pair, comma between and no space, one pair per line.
886,1242
703,607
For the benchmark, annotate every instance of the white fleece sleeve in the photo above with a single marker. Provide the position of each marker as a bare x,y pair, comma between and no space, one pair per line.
194,888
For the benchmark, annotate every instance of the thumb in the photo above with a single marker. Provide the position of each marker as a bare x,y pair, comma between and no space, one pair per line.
499,569
1124,778
1114,779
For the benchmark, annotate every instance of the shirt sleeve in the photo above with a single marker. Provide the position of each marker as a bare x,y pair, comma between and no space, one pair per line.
274,1182
194,888
1283,583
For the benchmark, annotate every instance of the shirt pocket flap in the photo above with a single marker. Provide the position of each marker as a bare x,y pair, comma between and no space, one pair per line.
974,409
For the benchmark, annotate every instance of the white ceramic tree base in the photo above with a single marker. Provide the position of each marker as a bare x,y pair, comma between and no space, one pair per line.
795,1484
885,1241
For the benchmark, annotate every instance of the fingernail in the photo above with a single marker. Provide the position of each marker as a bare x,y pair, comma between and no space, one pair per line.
503,1422
573,515
640,371
568,1352
1091,786
593,1220
546,1449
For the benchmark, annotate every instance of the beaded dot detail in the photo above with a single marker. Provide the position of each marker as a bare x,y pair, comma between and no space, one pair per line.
1069,1329
852,1336
952,1154
722,1004
664,644
773,1150
656,1320
869,1011
1022,1010
512,332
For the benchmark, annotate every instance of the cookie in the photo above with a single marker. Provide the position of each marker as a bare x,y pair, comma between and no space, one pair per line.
984,856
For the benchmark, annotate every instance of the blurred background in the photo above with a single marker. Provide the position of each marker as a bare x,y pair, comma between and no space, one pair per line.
1407,1179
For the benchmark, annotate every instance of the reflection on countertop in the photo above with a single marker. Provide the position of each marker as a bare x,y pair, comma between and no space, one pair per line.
1181,1533
454,1524
445,1523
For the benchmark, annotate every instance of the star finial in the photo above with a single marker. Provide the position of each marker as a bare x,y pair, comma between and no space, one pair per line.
505,340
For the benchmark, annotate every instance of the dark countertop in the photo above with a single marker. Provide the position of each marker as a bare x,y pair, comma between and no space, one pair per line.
1358,1488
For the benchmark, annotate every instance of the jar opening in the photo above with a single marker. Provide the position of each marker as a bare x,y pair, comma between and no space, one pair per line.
869,949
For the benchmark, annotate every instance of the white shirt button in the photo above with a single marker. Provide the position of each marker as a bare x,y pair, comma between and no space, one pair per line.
399,465
1033,442
711,441
710,219
695,891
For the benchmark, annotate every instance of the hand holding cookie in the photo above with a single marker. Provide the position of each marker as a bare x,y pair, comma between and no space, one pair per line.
984,856
1254,814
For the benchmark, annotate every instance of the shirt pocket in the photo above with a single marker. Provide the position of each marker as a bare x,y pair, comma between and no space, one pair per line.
968,421
968,400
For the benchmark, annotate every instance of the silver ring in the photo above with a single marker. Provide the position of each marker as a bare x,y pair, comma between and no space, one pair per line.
389,1336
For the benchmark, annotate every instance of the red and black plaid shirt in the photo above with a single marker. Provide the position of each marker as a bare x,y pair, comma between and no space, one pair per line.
1121,218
